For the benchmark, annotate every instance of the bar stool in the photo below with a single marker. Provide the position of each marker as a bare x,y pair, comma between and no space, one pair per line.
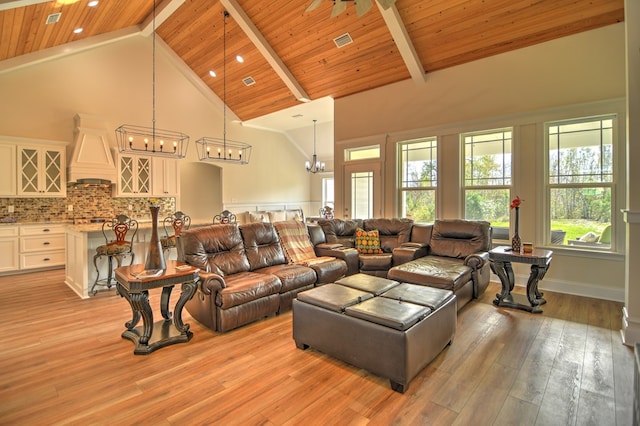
177,221
121,227
225,217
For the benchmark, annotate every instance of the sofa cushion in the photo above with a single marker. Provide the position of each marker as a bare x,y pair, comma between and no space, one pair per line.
340,231
440,272
376,262
245,287
459,238
393,231
367,242
295,240
262,245
291,276
215,248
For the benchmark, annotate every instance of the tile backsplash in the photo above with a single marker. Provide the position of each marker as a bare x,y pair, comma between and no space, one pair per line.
87,202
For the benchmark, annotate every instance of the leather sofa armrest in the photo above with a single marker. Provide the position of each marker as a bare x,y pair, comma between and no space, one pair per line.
349,255
414,245
330,246
211,283
477,260
407,252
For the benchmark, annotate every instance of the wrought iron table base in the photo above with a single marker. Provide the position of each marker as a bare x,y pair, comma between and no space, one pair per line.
501,266
170,329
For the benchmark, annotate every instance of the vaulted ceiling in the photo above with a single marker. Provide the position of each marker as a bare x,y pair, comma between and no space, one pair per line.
290,53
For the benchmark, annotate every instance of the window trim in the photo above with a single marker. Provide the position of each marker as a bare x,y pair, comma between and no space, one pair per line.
400,188
614,185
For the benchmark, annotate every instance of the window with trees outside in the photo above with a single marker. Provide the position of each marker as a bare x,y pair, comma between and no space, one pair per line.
419,178
581,181
487,178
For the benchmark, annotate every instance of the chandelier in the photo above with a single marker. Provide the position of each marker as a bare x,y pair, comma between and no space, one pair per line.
150,140
223,150
314,166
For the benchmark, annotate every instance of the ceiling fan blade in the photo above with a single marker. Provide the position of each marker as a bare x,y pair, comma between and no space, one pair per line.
363,6
314,4
386,4
339,7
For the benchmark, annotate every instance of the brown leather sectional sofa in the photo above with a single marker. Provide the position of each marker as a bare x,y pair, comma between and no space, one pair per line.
449,254
245,275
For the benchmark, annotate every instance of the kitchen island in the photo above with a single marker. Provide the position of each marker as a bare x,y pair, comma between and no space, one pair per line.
81,243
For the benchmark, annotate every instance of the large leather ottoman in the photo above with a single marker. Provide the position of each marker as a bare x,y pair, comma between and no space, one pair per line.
394,334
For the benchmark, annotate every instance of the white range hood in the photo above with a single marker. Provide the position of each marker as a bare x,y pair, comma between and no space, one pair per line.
91,160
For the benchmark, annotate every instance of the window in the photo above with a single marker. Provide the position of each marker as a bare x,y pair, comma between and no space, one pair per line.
418,179
327,192
362,153
581,181
362,195
487,177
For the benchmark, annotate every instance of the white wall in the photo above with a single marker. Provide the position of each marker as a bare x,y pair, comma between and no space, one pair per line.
114,82
570,77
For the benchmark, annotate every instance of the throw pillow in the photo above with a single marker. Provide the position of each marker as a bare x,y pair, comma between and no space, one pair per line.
368,242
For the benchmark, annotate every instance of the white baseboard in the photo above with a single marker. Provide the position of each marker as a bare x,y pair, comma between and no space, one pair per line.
572,287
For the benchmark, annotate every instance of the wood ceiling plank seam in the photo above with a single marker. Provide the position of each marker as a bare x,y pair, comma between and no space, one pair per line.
181,35
457,29
505,33
22,38
38,28
61,29
8,24
263,46
454,48
469,56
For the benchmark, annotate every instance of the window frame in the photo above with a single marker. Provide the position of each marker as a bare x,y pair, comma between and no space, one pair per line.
613,185
509,187
433,187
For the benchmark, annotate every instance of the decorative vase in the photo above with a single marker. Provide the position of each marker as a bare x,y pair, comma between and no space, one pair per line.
155,257
516,242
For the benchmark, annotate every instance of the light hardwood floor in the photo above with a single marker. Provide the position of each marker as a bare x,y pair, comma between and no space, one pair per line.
62,361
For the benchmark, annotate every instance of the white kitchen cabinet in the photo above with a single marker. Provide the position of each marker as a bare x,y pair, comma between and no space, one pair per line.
41,171
134,176
42,246
9,261
8,174
166,177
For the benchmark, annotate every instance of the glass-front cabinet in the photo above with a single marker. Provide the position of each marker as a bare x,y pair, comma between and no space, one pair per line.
134,173
41,171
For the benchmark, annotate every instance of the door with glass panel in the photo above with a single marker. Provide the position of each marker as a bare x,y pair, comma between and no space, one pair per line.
362,192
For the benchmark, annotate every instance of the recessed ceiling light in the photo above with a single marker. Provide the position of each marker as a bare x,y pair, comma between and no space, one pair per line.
93,3
77,31
212,73
239,58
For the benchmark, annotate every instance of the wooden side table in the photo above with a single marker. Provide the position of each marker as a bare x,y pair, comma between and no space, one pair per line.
501,259
151,336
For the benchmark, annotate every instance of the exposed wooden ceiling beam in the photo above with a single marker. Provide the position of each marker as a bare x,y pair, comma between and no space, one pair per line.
403,41
265,48
163,11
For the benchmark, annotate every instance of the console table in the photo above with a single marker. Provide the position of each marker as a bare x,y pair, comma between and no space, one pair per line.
501,259
151,336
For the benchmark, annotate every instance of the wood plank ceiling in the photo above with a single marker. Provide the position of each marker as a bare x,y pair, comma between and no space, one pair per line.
301,58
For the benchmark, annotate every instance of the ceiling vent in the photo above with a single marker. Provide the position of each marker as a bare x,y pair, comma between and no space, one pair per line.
53,18
343,40
248,81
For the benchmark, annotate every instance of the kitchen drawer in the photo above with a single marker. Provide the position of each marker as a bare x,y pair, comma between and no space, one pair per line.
44,229
42,260
42,243
8,231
